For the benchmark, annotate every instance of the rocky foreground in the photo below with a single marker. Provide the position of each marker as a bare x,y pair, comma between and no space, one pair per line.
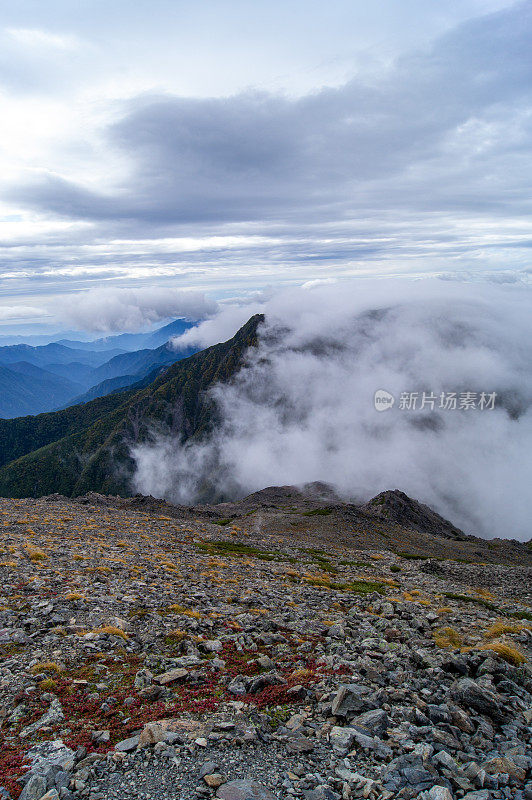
294,649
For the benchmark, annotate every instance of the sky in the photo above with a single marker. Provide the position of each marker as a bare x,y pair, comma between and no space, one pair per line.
228,148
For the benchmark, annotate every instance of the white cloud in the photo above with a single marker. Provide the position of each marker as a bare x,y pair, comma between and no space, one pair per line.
33,37
318,282
304,410
108,310
218,329
19,312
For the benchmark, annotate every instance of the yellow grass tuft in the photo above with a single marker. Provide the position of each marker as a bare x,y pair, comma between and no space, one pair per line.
112,631
176,635
48,685
300,674
74,596
447,638
34,553
510,654
190,613
46,666
485,594
501,627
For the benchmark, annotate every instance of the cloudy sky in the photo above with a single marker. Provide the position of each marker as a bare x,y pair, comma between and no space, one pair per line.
231,146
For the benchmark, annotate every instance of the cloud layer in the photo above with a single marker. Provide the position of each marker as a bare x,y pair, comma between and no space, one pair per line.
109,310
443,129
304,410
417,162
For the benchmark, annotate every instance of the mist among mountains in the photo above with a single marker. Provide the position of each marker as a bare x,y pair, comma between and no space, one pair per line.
289,399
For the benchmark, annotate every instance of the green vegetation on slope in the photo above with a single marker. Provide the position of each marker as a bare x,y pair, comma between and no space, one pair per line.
87,447
22,435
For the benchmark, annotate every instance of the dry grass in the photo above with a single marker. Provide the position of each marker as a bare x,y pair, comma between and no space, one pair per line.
48,685
46,666
111,630
176,608
447,638
34,553
485,594
300,674
509,653
501,627
74,596
176,635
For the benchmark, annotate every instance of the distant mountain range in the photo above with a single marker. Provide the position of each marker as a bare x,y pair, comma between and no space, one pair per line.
133,341
36,379
27,389
86,447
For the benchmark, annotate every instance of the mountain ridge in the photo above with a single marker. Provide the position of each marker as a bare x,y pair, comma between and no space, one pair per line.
90,450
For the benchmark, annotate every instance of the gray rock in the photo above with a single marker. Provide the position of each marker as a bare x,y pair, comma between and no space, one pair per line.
172,676
244,790
13,636
470,694
237,686
300,744
322,792
127,745
374,722
62,780
208,768
266,679
341,738
438,793
34,789
143,678
48,754
351,698
52,716
213,646
100,737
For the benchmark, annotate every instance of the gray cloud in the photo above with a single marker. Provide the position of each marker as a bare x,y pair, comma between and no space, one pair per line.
448,128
